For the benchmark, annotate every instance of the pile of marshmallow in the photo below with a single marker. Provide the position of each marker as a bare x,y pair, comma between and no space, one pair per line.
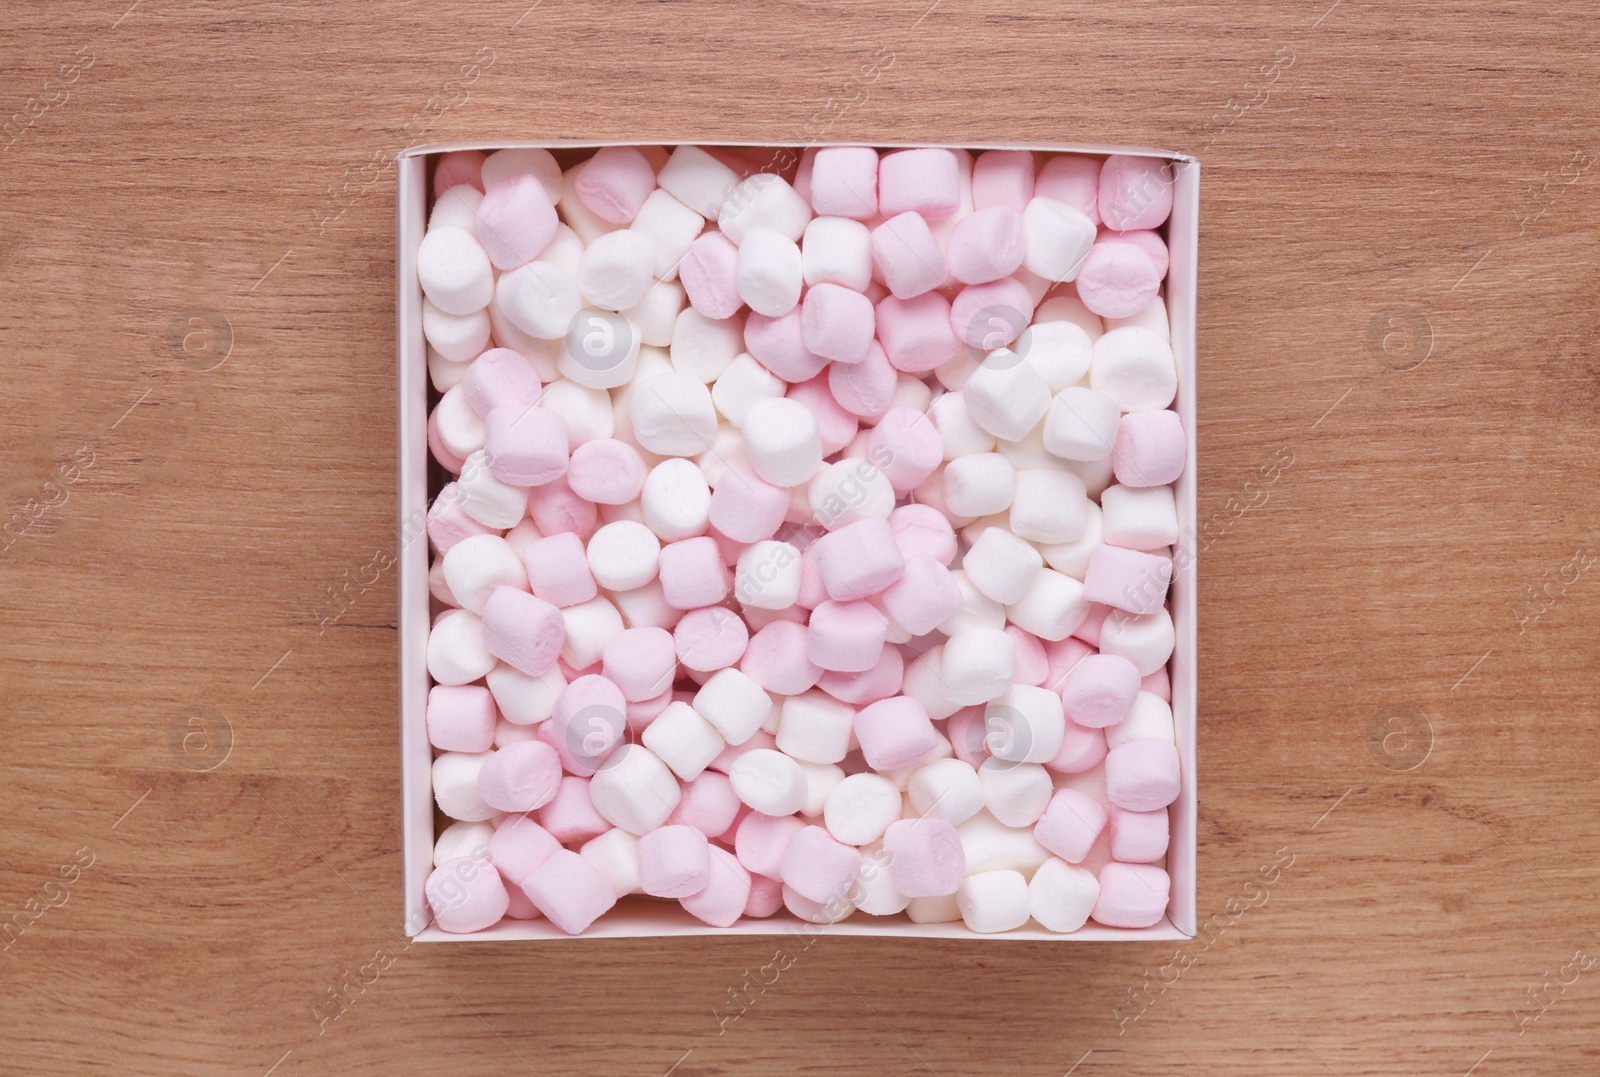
808,536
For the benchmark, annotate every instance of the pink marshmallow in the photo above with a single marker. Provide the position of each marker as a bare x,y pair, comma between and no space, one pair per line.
845,636
1142,774
727,892
836,427
968,731
864,389
1117,279
519,845
556,510
1099,691
779,345
525,446
923,597
1151,243
762,840
991,315
925,857
812,592
515,221
707,803
641,662
709,273
1089,631
674,862
1132,895
693,573
614,183
570,891
1135,192
859,559
844,182
1158,684
895,733
927,181
641,712
570,817
1081,749
1150,449
908,256
558,570
518,907
500,378
461,719
520,776
1138,837
747,508
776,659
447,523
522,630
710,639
837,323
466,894
458,166
1060,656
987,245
570,748
766,897
589,719
868,686
1032,666
1074,180
803,172
906,447
1002,178
819,867
916,333
1128,580
606,471
1070,824
923,529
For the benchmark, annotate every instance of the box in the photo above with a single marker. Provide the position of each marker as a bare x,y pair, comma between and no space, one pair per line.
637,917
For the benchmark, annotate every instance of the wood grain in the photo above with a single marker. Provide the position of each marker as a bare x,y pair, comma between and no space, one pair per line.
1401,174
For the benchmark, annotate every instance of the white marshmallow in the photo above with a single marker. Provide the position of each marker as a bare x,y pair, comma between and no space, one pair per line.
1001,565
623,555
924,682
634,789
1006,396
1016,794
524,161
443,373
1145,639
837,250
1061,896
456,337
646,607
565,250
1072,558
1081,424
673,415
991,845
979,484
459,426
877,893
1025,725
589,625
1150,719
587,410
977,609
539,298
1135,367
849,490
1069,308
782,439
703,347
683,739
1059,238
657,312
821,778
454,271
978,665
615,271
860,808
947,789
455,786
1096,474
457,207
1153,317
726,450
734,704
816,728
462,839
1029,452
1140,518
1050,506
911,392
993,901
933,910
615,855
1060,351
763,201
584,221
769,272
676,500
1052,608
485,498
960,435
954,372
742,383
477,565
600,351
670,226
697,179
437,587
522,535
523,699
506,334
767,576
768,781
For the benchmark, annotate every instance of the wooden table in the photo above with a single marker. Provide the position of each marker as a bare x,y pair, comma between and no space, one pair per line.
1398,407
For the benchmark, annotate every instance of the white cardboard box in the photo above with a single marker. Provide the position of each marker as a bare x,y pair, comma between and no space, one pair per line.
636,917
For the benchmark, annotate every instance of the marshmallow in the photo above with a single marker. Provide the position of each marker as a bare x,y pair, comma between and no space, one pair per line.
710,639
571,816
455,786
1016,794
520,777
587,410
987,245
923,597
1002,178
457,651
727,892
588,626
464,167
1128,579
926,181
656,313
558,570
836,428
992,901
1001,565
606,471
524,699
925,857
1071,824
846,491
1150,449
515,221
941,909
1139,518
1061,896
895,733
979,484
1150,716
1061,351
768,575
947,789
1132,895
761,841
1099,690
1134,192
455,337
710,274
623,555
783,442
814,727
684,740
539,298
959,434
465,894
844,181
461,718
640,661
817,866
1024,725
459,428
499,378
865,389
837,250
990,845
734,704
462,839
845,636
977,665
763,201
673,415
1049,506
1118,278
1058,239
615,855
671,227
697,179
674,862
1142,774
570,891
769,273
1081,424
634,790
874,889
676,500
502,165
525,446
743,383
454,271
779,345
1135,367
907,256
1072,558
770,783
475,566
859,559
836,322
916,333
919,529
746,508
615,270
1006,398
1052,608
906,447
